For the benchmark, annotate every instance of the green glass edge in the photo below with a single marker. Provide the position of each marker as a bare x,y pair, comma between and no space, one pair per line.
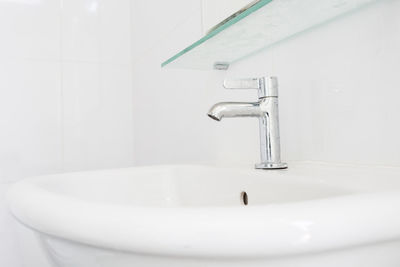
218,30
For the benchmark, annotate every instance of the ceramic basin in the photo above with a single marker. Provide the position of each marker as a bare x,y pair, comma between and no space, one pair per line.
312,214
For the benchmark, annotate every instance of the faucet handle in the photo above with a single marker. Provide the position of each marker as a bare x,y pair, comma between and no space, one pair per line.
252,83
266,86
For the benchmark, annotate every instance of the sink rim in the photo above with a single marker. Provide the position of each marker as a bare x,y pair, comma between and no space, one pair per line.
280,229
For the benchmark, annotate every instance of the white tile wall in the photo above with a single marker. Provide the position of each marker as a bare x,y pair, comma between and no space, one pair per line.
57,114
98,128
80,23
115,38
30,29
96,31
65,97
166,103
30,122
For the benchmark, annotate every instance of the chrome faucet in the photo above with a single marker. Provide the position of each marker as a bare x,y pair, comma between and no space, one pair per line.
266,110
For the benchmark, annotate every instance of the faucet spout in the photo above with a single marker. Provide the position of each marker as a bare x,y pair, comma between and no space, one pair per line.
235,109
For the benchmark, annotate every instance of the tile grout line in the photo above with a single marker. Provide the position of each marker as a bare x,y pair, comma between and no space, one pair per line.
131,62
13,59
202,16
61,114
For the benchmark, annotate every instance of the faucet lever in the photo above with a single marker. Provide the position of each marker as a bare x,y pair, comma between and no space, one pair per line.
252,83
266,86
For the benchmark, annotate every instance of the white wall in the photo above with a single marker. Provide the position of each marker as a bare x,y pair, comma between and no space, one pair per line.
166,103
65,97
338,85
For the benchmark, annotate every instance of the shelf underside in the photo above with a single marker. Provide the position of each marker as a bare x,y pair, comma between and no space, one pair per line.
262,25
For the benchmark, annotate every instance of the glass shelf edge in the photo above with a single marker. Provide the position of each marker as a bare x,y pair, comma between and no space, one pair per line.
217,30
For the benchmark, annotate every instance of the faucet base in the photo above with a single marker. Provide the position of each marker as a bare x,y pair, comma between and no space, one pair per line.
271,166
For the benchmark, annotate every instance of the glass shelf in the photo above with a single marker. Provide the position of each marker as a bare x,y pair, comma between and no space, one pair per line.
258,27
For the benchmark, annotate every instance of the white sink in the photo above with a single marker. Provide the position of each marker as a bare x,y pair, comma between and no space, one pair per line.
311,214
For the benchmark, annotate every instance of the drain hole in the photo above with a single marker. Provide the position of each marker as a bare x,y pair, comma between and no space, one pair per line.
244,198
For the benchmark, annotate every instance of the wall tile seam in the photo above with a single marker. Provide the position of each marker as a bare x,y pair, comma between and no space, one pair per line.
61,112
44,60
7,182
131,61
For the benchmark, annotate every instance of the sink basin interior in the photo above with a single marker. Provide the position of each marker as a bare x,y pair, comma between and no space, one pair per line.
188,186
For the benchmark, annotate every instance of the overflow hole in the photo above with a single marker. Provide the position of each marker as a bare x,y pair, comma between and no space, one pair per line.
244,198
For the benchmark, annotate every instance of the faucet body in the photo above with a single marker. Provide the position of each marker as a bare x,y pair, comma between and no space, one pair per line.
266,110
